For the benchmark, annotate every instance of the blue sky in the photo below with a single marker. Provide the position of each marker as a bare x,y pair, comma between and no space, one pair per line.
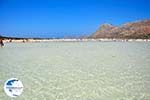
62,18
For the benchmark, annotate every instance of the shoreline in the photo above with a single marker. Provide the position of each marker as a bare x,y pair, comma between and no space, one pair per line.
73,40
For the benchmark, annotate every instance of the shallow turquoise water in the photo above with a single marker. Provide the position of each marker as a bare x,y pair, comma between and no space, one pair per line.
77,70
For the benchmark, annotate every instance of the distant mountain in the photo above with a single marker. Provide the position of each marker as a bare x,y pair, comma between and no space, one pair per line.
1,37
139,29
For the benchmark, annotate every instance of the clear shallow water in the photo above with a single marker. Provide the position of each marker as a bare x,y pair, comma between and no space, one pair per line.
78,70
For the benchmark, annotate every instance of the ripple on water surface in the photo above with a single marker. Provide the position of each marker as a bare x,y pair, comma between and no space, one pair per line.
78,70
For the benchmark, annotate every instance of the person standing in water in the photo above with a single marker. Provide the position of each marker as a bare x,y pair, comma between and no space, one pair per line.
1,42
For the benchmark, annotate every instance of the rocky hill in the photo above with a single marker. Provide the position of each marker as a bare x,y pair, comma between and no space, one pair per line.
139,29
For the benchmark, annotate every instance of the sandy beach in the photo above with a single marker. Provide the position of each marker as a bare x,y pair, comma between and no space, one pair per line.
74,40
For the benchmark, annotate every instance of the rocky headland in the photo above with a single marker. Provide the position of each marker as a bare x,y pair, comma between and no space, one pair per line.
133,30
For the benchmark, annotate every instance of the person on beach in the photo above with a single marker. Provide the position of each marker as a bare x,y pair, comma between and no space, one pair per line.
1,42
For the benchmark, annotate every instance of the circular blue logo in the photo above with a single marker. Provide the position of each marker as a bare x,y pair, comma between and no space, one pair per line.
13,87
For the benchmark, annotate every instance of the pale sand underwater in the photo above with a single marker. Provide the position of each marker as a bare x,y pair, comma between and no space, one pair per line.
77,70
